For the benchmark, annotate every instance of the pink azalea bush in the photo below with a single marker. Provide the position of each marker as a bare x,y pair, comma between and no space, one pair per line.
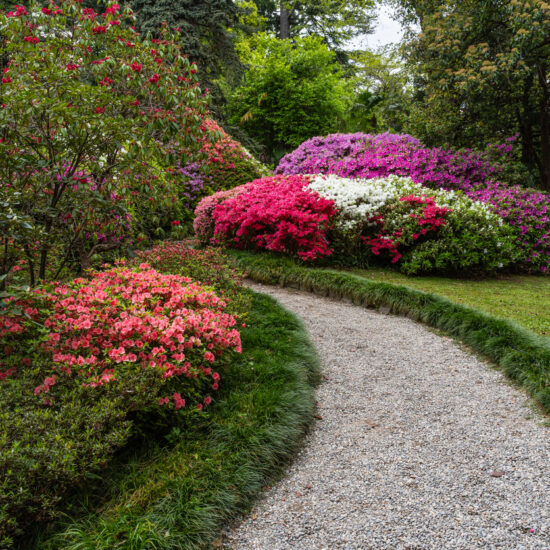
473,173
279,214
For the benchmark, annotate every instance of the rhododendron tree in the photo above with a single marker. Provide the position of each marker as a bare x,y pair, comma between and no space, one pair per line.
86,107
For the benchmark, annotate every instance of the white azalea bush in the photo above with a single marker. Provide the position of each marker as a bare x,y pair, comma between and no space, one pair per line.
421,230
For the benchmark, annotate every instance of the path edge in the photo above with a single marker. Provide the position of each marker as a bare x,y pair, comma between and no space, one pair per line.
521,354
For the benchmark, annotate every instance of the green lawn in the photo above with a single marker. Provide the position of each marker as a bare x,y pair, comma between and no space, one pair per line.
524,299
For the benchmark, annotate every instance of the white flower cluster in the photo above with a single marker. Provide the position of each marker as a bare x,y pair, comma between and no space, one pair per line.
359,200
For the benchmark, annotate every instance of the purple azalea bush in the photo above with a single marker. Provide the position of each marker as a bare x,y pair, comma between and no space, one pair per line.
474,173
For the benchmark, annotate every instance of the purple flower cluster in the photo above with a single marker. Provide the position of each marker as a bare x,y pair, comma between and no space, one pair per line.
371,156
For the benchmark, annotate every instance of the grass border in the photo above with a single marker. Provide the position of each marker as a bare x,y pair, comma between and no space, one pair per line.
521,354
220,467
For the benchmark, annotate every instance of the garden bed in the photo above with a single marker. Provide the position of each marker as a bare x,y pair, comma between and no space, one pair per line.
179,491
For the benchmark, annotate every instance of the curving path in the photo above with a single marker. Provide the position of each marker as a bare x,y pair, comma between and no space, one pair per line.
419,445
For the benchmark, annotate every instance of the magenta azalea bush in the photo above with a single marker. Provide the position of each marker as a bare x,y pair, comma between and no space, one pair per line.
358,221
473,173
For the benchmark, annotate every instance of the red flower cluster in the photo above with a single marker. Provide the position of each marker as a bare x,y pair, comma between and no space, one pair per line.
279,214
431,217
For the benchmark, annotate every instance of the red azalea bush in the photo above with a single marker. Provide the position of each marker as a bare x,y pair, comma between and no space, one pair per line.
82,361
278,214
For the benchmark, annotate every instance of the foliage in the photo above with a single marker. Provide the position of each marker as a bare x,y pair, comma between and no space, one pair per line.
335,21
222,163
204,33
522,355
291,91
128,340
179,492
484,70
279,214
71,167
209,266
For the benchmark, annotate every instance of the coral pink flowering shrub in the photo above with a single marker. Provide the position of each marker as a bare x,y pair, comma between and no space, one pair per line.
278,214
125,322
86,364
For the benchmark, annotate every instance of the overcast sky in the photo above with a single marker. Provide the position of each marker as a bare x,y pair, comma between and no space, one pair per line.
387,31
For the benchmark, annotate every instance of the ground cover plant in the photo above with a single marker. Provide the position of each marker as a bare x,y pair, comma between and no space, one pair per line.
524,299
475,174
178,491
355,221
85,363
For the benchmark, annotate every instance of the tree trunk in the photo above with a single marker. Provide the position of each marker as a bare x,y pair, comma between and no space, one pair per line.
284,19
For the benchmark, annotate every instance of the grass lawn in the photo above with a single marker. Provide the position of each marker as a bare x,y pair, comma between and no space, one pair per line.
177,492
524,299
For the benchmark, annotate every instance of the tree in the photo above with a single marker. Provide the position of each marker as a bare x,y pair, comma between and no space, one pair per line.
335,20
291,91
483,75
87,111
205,33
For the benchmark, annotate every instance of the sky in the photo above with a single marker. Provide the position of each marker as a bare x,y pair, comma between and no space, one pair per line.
387,31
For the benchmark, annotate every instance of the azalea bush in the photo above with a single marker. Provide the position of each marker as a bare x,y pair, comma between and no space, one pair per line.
473,173
209,266
279,214
88,108
82,361
360,221
221,164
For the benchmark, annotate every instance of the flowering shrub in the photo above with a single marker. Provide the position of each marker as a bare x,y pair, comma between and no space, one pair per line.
130,340
221,164
279,214
369,156
204,223
87,106
209,266
397,217
385,219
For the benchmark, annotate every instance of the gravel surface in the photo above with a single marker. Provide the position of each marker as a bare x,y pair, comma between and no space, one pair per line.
419,445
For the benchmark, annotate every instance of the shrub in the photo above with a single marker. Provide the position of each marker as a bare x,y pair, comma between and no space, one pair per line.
83,360
205,223
385,219
422,230
221,164
290,91
209,266
370,156
279,214
86,106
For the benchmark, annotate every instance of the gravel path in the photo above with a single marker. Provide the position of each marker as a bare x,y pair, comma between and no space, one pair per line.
419,446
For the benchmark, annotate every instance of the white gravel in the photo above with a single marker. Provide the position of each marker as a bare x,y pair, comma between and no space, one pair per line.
420,445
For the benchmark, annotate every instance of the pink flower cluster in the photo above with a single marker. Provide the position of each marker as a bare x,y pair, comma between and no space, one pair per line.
126,320
278,214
